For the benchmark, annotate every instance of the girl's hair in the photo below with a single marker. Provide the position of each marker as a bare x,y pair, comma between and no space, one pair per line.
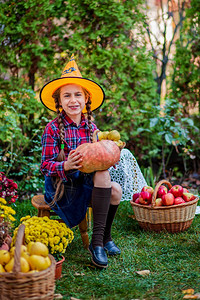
58,183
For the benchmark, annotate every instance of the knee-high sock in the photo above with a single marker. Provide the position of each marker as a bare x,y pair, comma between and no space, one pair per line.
100,207
111,214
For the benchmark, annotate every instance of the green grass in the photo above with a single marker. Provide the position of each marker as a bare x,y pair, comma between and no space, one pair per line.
173,261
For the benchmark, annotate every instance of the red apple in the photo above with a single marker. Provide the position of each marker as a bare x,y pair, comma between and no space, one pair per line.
188,197
168,199
145,198
135,196
158,202
137,201
148,189
178,200
185,190
176,190
162,191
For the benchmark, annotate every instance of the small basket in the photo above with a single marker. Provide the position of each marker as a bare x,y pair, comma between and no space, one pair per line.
173,218
35,286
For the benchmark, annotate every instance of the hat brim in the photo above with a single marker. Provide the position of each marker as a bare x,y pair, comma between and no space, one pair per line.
96,92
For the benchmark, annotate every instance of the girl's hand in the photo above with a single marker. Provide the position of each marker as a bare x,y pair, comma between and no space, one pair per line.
73,161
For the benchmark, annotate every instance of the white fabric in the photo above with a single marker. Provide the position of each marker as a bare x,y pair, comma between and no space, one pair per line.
197,210
128,175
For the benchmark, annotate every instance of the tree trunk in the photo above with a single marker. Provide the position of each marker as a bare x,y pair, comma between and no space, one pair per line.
31,77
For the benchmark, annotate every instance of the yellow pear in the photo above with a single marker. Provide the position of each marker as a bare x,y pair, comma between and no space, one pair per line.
38,262
119,143
26,255
9,265
24,265
32,271
114,135
29,246
39,248
100,135
23,248
12,250
4,257
1,269
48,261
105,135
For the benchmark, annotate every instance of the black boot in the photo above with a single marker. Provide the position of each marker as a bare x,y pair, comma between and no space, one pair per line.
100,207
109,245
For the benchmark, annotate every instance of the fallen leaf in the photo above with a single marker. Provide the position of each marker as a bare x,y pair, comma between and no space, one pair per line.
143,272
79,274
188,291
189,296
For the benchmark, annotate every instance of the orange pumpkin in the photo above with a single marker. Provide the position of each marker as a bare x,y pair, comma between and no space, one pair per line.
98,156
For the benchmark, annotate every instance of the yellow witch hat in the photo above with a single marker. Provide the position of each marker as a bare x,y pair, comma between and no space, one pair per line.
72,75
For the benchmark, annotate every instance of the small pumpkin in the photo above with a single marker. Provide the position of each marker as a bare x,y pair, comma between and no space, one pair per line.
98,156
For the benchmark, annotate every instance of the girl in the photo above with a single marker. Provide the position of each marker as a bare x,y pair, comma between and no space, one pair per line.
67,190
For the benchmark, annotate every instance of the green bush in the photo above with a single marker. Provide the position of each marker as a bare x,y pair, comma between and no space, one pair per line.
170,129
22,124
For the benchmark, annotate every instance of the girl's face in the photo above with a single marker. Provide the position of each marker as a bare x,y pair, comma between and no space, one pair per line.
72,100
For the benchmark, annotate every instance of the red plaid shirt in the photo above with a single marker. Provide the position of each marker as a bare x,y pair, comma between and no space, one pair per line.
74,136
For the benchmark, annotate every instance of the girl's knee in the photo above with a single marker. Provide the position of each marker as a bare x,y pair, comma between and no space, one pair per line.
102,179
116,193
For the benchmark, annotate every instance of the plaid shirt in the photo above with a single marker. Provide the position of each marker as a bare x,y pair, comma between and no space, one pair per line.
74,136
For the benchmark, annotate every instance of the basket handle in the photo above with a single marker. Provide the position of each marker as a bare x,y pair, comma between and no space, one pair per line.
17,254
153,203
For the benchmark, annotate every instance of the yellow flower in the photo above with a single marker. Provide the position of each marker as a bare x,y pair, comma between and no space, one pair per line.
6,212
56,240
11,218
64,240
2,200
66,244
52,233
44,235
24,218
56,248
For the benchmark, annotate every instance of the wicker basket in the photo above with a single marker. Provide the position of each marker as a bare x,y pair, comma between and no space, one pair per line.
34,286
173,218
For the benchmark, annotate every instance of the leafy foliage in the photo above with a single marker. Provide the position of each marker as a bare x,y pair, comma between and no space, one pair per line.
172,128
20,146
27,28
186,79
